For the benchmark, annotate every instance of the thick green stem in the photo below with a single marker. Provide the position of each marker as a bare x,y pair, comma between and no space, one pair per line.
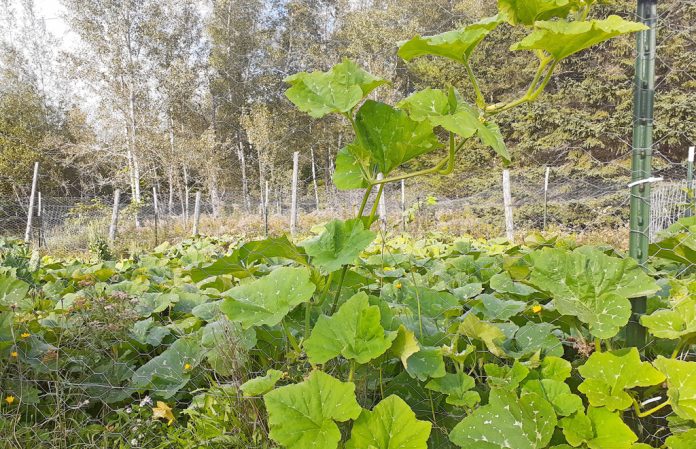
533,92
447,162
307,319
636,408
682,342
351,374
480,100
597,345
290,337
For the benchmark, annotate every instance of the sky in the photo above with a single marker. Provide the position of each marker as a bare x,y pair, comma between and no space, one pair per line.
52,11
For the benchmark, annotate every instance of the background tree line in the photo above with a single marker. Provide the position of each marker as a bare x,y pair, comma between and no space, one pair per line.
188,94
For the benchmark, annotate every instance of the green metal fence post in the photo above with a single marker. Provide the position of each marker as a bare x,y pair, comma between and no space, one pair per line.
643,105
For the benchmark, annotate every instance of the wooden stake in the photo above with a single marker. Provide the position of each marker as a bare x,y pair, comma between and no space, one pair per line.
546,194
293,205
314,179
507,203
196,213
30,212
114,215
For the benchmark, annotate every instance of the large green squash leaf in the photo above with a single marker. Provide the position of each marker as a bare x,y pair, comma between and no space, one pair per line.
354,332
682,440
677,242
527,12
427,363
456,44
304,415
348,175
599,429
390,425
454,115
337,91
507,421
588,284
608,374
391,137
261,385
405,345
561,39
240,262
532,338
339,244
457,387
681,385
490,334
169,372
13,292
679,322
267,300
557,393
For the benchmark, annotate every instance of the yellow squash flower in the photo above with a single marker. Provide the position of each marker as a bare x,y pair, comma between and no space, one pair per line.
10,400
536,308
14,354
25,335
163,411
187,366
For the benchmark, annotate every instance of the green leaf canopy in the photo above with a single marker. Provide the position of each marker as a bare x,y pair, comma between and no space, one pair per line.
391,137
339,244
456,44
598,429
451,113
337,91
390,425
608,374
305,414
588,284
679,322
457,387
14,292
267,300
681,385
526,12
348,174
354,332
561,39
507,421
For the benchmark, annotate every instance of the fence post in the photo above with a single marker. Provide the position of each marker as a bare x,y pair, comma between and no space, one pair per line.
641,163
507,204
155,204
314,179
546,195
39,218
196,213
403,204
293,205
690,181
114,215
265,211
382,206
30,212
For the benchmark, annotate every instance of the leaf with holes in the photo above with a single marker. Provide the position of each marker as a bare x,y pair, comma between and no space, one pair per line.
337,91
608,374
354,332
390,425
456,44
339,244
526,422
588,284
267,300
681,385
561,39
304,415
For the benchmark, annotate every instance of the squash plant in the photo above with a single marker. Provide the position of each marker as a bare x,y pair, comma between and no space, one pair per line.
491,376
